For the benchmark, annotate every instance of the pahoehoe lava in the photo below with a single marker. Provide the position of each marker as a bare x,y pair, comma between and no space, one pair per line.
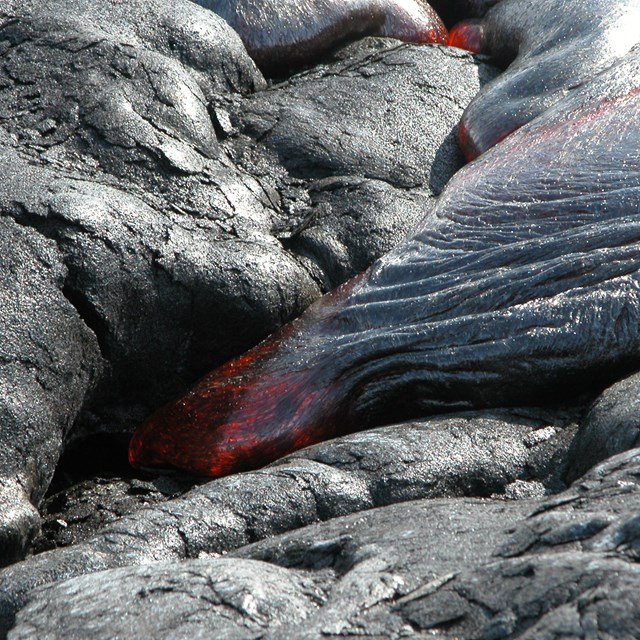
549,47
280,35
523,281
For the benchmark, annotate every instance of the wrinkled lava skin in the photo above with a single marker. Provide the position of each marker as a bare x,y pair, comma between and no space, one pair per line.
282,34
523,282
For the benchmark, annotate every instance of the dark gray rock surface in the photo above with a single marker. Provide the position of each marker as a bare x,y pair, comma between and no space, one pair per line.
506,455
569,569
611,425
48,361
157,234
94,102
73,514
161,209
373,134
227,598
564,565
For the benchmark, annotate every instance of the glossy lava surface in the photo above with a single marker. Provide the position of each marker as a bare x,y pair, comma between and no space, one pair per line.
283,34
548,47
523,281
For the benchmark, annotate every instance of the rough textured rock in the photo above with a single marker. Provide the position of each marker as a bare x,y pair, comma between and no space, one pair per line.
162,208
558,566
229,598
176,239
611,426
75,81
48,361
374,133
508,455
317,124
570,569
349,565
75,513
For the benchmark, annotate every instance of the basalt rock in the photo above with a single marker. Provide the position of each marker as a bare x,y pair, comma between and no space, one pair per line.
48,361
506,455
163,208
456,567
375,164
174,238
611,426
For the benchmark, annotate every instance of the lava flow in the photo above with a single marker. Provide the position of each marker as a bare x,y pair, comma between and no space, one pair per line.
252,410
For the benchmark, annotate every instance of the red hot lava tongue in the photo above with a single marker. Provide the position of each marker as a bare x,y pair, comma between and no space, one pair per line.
242,415
467,34
270,401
